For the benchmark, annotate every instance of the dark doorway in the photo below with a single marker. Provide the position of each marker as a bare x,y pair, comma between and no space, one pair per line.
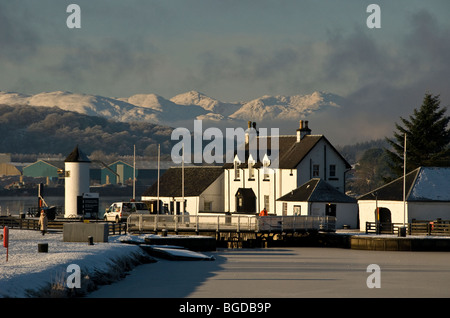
330,210
384,215
384,220
245,200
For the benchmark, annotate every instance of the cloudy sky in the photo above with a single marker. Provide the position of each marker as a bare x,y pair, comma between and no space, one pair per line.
236,50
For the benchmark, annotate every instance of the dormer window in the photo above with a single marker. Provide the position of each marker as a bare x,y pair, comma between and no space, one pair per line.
237,171
266,164
251,169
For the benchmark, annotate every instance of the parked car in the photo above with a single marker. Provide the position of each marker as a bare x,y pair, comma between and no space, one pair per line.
119,211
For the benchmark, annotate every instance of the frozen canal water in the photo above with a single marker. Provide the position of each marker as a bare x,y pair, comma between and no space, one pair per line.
289,273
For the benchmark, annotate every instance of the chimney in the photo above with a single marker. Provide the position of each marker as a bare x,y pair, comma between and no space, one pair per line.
247,132
254,127
303,130
251,131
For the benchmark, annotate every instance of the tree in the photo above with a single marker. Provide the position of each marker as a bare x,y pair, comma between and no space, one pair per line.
427,138
371,171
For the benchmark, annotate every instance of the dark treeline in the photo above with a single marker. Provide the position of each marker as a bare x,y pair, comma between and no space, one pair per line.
33,130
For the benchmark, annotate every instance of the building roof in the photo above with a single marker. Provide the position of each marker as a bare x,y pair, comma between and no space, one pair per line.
196,180
77,156
290,152
58,164
317,190
423,184
118,162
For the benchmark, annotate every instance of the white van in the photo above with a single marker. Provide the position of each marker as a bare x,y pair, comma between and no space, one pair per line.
119,211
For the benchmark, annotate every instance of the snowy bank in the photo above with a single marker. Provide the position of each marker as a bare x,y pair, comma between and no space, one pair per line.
29,273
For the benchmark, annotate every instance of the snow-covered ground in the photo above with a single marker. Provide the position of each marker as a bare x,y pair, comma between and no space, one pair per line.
30,273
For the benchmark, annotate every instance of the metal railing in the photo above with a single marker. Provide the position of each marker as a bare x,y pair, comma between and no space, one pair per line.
228,223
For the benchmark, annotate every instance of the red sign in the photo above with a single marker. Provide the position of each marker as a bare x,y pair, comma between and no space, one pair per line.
5,236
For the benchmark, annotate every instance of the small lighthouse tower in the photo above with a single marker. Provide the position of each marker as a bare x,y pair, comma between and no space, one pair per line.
76,181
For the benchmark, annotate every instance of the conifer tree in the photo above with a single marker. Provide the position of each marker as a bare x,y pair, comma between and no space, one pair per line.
427,138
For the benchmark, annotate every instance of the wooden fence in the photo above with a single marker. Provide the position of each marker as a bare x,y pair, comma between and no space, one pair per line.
55,225
436,228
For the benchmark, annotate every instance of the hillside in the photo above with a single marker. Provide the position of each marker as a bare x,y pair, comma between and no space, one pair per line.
30,129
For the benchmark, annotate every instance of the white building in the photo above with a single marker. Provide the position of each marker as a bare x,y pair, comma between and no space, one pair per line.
427,198
248,188
318,198
203,190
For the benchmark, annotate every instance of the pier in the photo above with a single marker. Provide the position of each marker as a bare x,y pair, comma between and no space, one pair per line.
229,223
233,231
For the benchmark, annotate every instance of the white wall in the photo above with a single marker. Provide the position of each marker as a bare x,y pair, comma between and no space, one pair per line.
346,213
429,210
304,207
324,156
215,194
192,203
76,183
277,184
367,211
414,210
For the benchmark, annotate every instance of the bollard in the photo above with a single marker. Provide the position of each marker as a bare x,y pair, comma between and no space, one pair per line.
43,247
90,240
164,232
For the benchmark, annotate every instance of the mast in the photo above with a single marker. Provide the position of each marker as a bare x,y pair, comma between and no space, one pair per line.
134,172
157,187
182,183
404,182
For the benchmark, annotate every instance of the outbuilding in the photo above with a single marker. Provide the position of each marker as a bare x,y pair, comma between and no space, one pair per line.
427,197
318,198
200,187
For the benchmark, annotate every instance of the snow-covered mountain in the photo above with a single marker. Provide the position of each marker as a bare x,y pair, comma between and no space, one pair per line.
187,106
285,107
91,105
213,106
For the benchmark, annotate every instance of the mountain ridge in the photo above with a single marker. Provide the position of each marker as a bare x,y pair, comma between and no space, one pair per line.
185,106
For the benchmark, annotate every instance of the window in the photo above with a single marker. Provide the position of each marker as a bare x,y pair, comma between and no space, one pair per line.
332,170
284,208
236,169
251,170
207,206
266,164
297,210
315,170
